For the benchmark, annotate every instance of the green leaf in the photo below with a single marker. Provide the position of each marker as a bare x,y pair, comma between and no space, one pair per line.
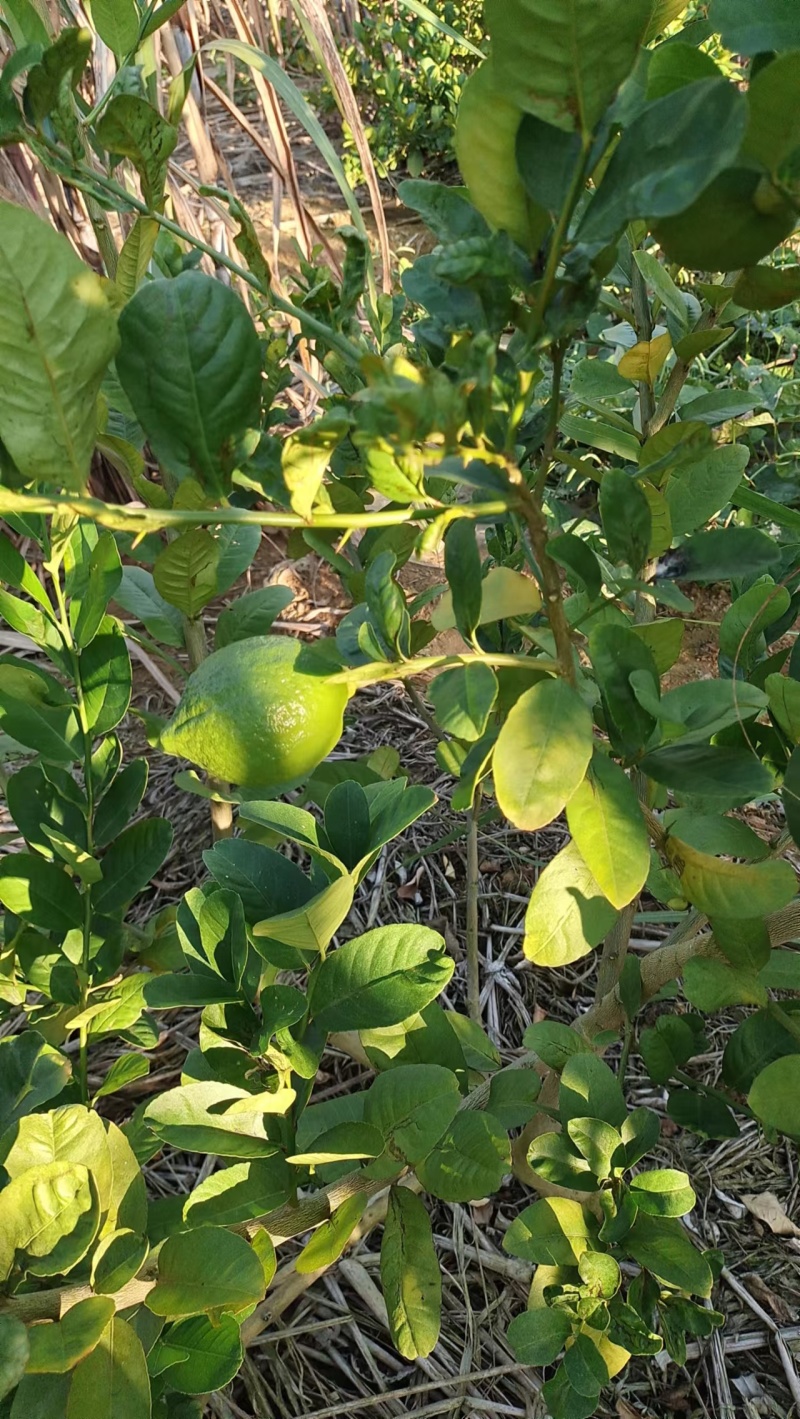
40,892
568,915
640,1131
538,1336
589,1089
251,615
553,1157
784,703
774,25
462,564
205,1271
696,490
190,363
661,1245
774,99
198,1355
347,823
58,1346
329,1240
555,1043
564,1402
617,654
597,1142
105,672
130,862
174,992
120,802
565,64
734,776
104,575
14,1352
239,1193
696,711
463,699
132,128
410,1276
606,821
767,287
704,1114
137,594
663,1193
183,1118
758,1041
552,1232
40,1208
585,1367
668,156
727,889
712,833
512,1096
745,942
119,1257
627,521
411,1107
344,1140
469,1161
58,333
163,13
41,1396
31,1072
112,1382
542,754
185,573
379,979
670,1044
117,23
751,614
775,1096
712,985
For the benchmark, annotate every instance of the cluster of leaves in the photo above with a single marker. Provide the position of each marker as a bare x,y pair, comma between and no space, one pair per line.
595,445
408,75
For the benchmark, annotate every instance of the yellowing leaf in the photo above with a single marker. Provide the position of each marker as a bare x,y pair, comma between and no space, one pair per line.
727,889
646,360
505,593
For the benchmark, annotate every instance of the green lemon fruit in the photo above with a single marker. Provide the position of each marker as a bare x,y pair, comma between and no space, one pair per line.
486,149
739,219
261,713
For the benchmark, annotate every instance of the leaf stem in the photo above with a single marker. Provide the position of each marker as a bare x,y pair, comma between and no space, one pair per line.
473,925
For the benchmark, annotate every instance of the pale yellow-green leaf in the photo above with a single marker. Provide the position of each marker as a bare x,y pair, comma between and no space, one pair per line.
606,821
727,889
568,914
542,754
505,594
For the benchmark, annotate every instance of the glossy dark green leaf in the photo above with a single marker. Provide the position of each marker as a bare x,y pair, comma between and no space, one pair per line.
702,1113
105,671
661,1245
745,30
667,156
198,1355
670,1044
120,802
251,615
462,564
31,1072
347,823
40,892
617,653
137,594
130,862
627,520
380,978
190,363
